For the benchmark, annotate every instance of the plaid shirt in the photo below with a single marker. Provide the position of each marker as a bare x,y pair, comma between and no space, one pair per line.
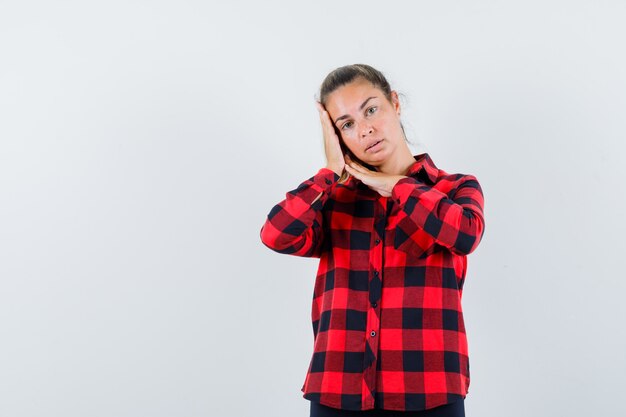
387,319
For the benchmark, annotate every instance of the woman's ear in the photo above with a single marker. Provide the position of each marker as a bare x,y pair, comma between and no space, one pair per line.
395,101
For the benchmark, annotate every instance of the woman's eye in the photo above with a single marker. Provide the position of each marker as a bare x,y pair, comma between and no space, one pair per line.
370,110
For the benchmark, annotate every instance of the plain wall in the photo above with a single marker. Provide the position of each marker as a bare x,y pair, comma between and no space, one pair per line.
143,143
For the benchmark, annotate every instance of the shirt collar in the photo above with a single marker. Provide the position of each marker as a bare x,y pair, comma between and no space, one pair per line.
424,168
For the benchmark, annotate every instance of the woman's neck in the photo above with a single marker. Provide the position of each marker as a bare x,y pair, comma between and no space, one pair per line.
398,165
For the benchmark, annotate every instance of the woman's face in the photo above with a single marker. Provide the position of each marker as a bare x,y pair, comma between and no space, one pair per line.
368,123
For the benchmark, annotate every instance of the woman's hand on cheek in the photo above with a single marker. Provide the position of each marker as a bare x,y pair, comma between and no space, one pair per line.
380,182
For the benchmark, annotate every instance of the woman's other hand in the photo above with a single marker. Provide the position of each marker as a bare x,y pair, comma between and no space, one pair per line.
377,181
332,147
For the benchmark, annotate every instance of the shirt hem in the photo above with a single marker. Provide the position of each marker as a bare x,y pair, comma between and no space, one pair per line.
460,397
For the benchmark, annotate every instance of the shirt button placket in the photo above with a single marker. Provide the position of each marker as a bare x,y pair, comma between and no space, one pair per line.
377,255
373,316
375,289
373,320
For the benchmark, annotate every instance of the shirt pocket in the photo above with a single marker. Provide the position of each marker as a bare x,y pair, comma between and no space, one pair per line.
408,238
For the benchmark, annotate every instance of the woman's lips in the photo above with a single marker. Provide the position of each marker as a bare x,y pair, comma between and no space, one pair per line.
374,146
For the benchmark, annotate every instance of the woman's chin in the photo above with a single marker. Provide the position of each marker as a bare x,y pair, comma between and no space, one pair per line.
375,159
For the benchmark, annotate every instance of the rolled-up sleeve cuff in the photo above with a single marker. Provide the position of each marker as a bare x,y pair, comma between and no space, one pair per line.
322,182
325,177
410,187
406,187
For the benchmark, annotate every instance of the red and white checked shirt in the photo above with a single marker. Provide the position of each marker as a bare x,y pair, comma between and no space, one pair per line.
387,319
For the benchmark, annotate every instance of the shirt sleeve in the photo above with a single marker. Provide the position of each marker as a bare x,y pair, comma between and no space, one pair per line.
454,220
295,225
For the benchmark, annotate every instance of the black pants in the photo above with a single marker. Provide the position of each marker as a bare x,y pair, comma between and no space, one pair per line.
456,409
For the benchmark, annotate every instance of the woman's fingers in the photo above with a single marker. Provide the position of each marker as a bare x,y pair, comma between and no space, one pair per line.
356,166
353,171
324,118
332,146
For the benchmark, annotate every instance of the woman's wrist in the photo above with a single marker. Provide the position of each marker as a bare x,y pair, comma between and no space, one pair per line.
335,170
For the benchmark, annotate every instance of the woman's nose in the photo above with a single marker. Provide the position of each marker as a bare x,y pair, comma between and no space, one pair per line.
366,130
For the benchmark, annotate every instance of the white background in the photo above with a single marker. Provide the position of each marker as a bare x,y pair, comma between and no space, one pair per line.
143,143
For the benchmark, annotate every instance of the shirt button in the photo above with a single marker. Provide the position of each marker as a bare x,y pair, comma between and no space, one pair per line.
328,181
373,333
374,305
376,273
377,241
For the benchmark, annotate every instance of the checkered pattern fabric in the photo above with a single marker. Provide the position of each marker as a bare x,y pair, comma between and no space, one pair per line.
387,319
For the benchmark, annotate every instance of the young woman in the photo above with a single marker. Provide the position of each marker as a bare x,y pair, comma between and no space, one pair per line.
392,232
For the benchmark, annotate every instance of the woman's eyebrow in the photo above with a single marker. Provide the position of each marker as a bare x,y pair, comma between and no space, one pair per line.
345,116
